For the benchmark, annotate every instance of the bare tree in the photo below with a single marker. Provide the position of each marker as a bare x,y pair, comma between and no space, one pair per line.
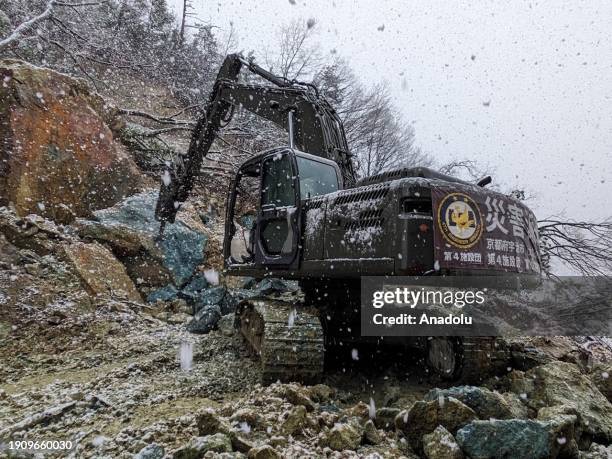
583,246
377,134
296,56
184,14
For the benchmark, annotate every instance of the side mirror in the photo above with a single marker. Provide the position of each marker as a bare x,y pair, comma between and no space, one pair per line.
484,181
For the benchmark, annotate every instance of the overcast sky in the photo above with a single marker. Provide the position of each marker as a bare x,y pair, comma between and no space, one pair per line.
535,102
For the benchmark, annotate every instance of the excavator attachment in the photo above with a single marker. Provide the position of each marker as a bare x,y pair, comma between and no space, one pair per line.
296,107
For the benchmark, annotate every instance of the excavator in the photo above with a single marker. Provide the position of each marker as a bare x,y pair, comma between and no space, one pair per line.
300,212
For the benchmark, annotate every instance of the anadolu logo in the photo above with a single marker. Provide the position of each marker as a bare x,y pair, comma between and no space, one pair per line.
460,220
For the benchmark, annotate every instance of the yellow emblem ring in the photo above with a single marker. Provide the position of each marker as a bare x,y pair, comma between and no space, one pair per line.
460,220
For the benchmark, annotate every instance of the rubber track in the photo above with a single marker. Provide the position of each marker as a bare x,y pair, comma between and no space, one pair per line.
287,353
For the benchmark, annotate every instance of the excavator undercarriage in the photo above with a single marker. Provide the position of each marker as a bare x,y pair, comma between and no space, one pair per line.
286,337
290,338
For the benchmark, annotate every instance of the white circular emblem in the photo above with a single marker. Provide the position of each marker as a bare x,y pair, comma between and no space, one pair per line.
460,220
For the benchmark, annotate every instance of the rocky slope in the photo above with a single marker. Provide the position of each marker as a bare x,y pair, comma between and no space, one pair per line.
84,358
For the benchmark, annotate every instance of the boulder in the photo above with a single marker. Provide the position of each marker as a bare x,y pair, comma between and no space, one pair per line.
58,157
516,382
152,451
343,436
167,293
321,393
9,254
31,232
196,287
597,451
297,395
549,413
227,325
247,283
248,416
263,452
273,286
519,438
485,403
295,420
518,405
240,443
360,410
208,422
424,416
198,446
385,417
561,383
371,435
440,444
215,296
205,320
132,232
100,271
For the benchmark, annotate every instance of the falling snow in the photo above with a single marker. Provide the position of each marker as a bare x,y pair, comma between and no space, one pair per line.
186,355
212,276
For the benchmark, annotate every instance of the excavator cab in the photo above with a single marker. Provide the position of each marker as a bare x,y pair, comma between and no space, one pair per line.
263,220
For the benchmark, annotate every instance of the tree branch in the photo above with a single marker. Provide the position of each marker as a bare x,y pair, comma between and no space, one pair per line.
157,119
27,25
585,247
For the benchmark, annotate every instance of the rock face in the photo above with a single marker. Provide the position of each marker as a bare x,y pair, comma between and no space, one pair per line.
423,417
100,271
518,438
57,154
132,231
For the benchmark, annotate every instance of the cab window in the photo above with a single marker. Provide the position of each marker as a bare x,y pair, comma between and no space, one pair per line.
316,178
277,183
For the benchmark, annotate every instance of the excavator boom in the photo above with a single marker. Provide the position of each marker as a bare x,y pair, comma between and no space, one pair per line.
296,107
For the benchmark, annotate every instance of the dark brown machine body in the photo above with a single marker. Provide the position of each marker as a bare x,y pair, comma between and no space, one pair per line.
299,212
386,225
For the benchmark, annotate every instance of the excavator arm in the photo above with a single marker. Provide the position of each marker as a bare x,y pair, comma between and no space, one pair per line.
295,107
